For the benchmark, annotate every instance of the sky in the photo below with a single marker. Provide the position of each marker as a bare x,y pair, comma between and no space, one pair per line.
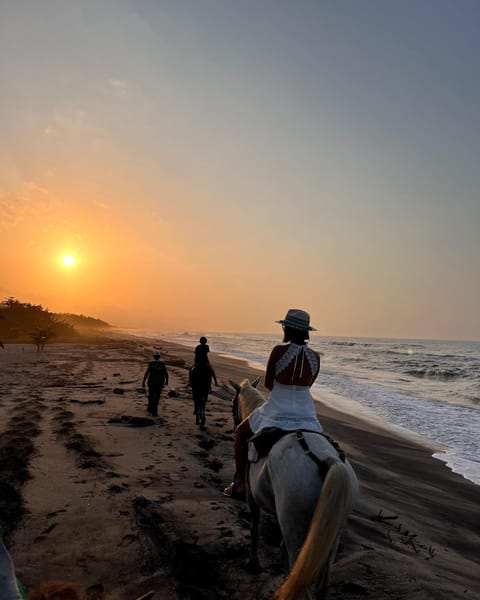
210,164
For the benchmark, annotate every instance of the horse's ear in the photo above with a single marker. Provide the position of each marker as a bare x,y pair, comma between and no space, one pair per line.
235,386
256,381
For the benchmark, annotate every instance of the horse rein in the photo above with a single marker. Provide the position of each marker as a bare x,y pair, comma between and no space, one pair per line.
323,465
236,418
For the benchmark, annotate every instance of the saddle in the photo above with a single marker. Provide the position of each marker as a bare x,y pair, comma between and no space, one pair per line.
265,440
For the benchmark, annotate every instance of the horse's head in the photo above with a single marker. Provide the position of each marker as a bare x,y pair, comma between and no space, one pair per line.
241,408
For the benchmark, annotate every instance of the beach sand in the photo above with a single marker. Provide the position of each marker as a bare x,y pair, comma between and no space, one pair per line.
126,509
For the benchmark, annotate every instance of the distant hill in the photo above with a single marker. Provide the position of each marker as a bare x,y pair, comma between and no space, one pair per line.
82,321
23,322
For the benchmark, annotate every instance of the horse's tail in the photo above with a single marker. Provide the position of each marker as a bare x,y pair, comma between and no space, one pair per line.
333,507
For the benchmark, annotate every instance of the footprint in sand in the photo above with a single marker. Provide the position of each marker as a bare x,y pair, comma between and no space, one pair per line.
39,538
215,464
50,528
127,540
114,489
55,513
226,532
207,444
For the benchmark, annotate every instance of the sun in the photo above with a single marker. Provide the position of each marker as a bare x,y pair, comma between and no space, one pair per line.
68,260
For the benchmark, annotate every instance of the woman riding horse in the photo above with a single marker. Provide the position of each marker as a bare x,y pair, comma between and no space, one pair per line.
291,370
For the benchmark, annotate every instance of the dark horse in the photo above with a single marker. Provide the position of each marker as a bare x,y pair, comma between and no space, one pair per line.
201,382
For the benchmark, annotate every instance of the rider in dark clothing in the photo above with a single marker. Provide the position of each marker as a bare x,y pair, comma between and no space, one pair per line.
201,358
157,376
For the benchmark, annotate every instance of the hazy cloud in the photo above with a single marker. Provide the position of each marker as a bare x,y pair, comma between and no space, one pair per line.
70,123
101,205
11,210
33,202
119,86
31,185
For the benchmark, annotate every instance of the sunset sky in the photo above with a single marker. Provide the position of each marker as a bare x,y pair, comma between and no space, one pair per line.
210,164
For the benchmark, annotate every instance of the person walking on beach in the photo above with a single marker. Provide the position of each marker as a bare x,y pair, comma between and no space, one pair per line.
157,377
291,370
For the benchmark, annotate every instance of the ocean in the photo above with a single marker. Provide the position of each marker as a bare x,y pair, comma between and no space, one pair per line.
427,388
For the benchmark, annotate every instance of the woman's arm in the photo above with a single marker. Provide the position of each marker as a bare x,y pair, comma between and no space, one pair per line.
318,368
270,372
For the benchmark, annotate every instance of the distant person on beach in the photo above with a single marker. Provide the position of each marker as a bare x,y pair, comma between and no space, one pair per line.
201,357
156,376
291,370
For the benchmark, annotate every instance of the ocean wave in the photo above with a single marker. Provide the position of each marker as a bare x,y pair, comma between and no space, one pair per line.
436,373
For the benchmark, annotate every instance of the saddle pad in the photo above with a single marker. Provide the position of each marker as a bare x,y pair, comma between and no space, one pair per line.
265,439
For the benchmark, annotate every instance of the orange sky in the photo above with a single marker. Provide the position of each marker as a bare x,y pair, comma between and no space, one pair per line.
207,171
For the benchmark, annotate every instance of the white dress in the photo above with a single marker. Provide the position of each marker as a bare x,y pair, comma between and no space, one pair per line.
289,407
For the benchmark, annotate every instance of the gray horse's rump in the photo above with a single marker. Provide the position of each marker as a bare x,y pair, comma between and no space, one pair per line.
291,477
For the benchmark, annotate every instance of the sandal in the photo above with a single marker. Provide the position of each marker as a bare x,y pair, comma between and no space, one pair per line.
231,492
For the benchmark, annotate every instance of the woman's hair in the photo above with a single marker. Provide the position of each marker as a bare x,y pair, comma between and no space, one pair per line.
203,340
297,336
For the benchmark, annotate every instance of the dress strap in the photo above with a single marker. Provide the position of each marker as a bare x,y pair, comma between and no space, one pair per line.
293,354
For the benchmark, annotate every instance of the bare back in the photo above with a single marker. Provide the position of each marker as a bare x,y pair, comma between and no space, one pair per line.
301,370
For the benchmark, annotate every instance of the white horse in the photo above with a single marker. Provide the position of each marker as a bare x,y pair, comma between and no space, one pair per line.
310,494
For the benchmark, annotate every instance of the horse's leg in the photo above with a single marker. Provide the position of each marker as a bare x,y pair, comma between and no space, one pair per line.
195,405
253,566
201,411
321,589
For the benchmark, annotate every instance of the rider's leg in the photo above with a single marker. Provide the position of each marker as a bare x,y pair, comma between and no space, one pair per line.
151,393
155,401
242,435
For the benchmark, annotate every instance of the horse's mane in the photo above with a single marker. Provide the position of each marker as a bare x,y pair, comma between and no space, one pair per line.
249,398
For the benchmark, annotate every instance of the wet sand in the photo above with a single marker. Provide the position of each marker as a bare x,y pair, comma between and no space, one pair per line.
128,509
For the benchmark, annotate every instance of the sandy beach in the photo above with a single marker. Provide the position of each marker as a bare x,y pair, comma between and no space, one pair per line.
88,497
